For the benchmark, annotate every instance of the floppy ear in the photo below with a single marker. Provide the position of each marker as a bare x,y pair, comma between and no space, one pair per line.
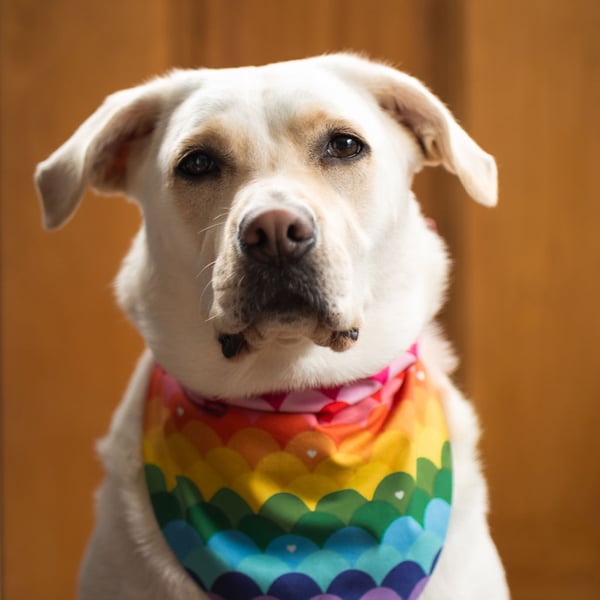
440,137
99,152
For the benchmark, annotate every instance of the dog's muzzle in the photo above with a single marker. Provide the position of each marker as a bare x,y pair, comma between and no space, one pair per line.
281,282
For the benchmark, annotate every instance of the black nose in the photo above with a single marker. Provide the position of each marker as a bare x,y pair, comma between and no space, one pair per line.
276,236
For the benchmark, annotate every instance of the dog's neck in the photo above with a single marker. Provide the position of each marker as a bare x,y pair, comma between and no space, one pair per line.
315,400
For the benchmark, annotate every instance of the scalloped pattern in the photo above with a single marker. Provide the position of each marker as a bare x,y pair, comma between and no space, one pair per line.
350,502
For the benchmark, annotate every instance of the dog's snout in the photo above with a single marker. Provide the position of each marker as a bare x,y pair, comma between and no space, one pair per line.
278,235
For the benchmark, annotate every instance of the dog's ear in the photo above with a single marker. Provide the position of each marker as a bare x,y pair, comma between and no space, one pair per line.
440,137
99,152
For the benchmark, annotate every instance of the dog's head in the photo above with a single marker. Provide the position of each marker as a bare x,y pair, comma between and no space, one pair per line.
281,245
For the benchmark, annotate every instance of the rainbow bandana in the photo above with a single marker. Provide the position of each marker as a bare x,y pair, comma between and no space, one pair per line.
330,494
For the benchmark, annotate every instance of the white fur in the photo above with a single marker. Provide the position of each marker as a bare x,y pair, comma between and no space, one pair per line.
379,267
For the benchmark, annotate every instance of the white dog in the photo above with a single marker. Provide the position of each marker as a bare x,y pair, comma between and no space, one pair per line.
292,444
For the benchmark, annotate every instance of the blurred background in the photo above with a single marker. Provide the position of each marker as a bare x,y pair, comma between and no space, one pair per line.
523,77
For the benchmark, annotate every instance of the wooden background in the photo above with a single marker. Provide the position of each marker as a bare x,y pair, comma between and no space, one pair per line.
524,78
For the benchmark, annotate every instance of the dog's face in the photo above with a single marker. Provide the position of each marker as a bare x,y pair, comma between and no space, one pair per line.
281,245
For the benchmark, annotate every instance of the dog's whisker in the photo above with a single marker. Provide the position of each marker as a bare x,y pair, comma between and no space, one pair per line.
222,215
206,266
225,282
241,281
220,220
211,226
204,289
225,212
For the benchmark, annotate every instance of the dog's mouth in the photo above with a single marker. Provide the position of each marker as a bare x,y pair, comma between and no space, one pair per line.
236,344
288,305
286,314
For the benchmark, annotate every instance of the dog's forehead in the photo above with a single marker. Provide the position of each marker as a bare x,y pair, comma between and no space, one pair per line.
271,97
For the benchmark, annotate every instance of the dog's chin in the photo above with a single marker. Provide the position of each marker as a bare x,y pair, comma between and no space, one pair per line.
287,328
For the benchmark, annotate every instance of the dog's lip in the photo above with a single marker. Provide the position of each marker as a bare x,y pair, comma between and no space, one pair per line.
286,316
287,302
254,336
286,306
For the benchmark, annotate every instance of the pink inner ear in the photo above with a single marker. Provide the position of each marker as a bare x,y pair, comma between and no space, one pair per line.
112,174
116,167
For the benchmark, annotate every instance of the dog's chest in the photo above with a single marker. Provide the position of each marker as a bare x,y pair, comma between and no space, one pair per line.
350,500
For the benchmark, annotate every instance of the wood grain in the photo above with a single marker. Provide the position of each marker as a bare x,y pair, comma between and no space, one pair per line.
532,283
66,350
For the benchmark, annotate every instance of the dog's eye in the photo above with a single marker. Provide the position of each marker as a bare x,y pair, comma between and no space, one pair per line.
343,145
197,164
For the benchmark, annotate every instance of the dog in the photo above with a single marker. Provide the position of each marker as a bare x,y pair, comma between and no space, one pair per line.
283,267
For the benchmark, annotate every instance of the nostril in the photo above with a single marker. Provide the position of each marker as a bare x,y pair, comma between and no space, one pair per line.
292,234
256,237
300,230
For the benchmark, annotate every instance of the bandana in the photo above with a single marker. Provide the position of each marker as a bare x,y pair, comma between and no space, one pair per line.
329,494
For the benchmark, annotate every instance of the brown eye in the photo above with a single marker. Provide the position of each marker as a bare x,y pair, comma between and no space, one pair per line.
343,145
197,164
